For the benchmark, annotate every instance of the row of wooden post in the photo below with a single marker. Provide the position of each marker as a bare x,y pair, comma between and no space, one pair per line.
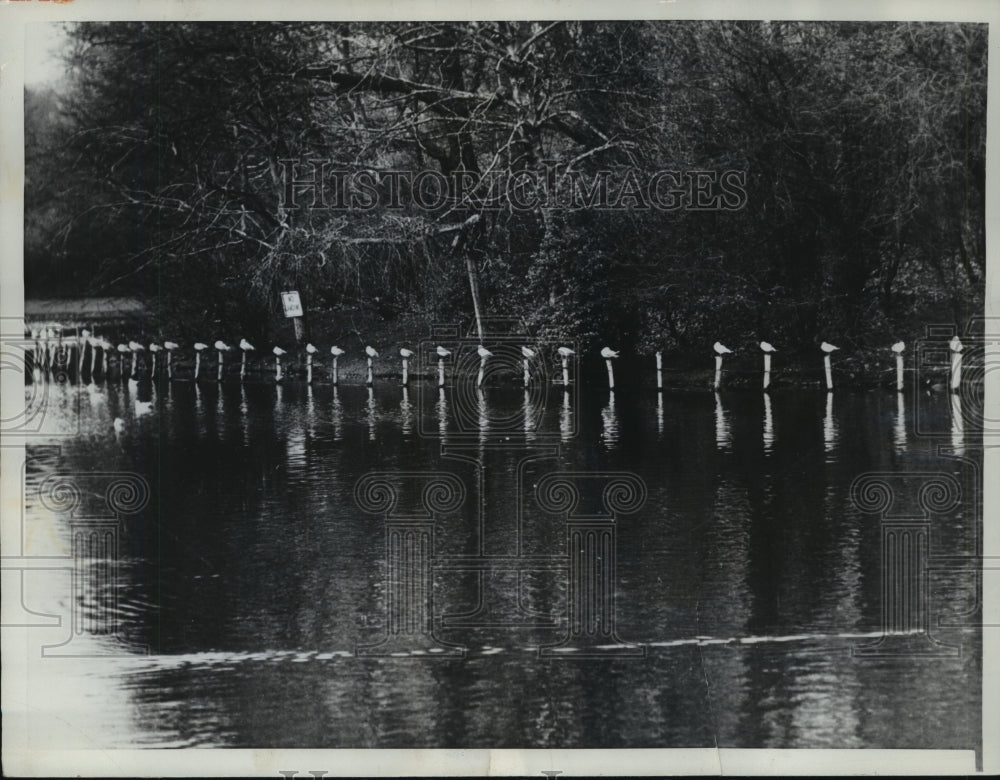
43,357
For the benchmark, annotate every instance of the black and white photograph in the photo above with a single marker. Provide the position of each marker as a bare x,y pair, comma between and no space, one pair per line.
570,390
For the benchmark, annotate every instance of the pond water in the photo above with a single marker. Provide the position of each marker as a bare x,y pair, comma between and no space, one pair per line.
345,567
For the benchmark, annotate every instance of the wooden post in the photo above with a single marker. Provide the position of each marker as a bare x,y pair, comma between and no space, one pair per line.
243,365
611,375
829,372
565,371
659,370
956,363
371,376
218,370
718,371
405,376
440,372
767,370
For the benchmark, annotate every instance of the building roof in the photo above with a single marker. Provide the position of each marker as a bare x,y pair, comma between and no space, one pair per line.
69,312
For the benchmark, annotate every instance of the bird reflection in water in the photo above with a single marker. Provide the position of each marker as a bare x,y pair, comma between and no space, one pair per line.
565,419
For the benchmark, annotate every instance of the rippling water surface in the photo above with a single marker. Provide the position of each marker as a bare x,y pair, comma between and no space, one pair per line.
250,595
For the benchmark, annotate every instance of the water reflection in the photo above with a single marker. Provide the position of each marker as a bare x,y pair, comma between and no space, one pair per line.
899,430
370,413
957,425
723,436
442,415
768,424
405,413
749,572
530,421
829,427
337,415
565,418
609,420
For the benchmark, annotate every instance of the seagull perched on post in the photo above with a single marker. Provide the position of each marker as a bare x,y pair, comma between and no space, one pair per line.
956,344
310,349
154,348
721,349
607,353
766,347
828,348
442,352
527,352
278,352
407,353
199,347
221,346
336,351
565,352
371,352
483,355
246,346
898,347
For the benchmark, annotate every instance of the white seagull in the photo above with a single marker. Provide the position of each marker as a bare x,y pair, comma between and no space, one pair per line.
221,346
311,349
899,347
766,347
828,347
278,352
956,344
721,349
483,352
199,346
246,346
407,353
336,351
442,352
527,352
170,346
371,352
607,353
565,351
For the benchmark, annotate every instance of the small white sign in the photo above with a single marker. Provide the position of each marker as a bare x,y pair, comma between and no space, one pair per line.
290,301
